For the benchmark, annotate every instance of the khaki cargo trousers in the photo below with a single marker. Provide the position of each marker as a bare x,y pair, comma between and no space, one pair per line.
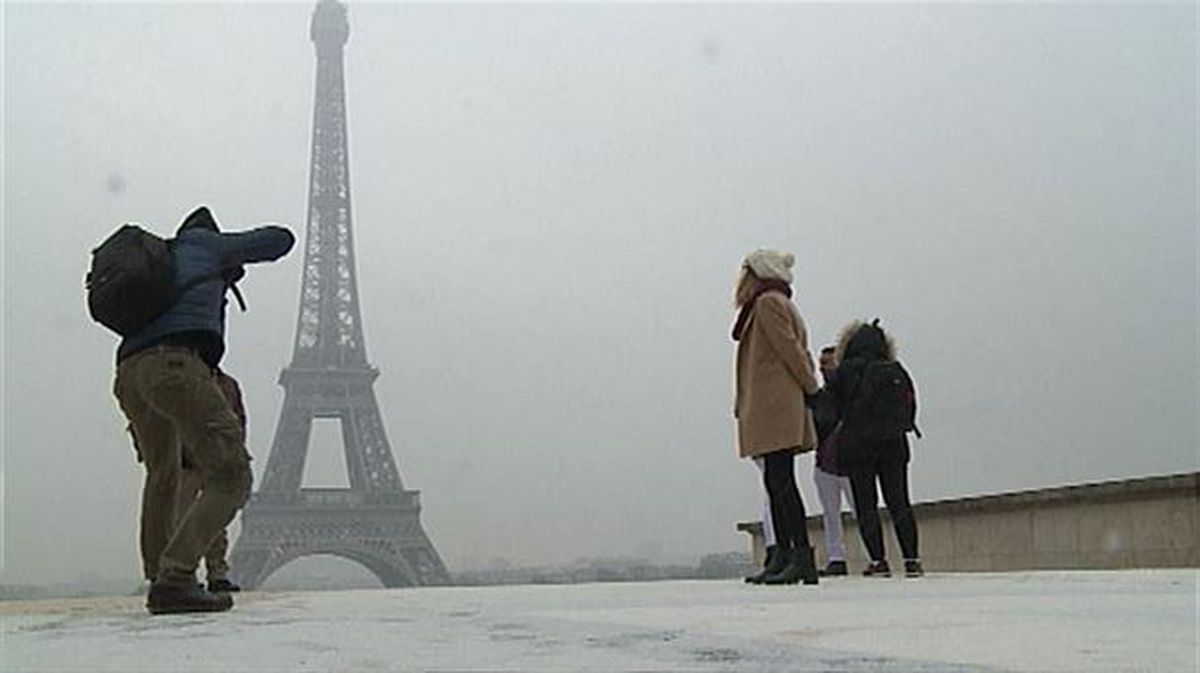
174,404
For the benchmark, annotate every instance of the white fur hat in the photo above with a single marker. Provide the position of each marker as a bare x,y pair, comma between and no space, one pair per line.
775,264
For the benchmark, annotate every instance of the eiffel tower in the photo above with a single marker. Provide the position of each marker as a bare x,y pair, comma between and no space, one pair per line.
375,522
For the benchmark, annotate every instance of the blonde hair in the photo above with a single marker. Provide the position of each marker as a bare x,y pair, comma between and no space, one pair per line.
744,289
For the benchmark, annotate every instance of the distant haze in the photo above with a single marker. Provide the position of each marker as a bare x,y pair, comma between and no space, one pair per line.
550,206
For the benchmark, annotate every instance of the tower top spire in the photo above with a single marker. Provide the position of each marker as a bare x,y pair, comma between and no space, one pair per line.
330,28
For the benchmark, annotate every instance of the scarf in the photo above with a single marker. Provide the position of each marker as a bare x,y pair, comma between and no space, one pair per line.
763,287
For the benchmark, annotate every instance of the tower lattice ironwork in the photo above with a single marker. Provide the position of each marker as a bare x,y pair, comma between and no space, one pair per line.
375,521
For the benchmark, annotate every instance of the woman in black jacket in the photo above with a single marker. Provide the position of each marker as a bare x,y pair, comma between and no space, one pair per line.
868,461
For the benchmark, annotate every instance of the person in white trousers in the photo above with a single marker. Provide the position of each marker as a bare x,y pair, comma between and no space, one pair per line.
831,485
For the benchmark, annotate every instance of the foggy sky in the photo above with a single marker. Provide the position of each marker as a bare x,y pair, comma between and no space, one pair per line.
551,203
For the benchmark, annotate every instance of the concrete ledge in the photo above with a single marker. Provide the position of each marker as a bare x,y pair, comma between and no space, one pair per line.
1149,522
1107,491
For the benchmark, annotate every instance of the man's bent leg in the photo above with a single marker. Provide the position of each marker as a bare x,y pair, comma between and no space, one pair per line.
221,457
190,482
187,392
226,489
190,485
216,566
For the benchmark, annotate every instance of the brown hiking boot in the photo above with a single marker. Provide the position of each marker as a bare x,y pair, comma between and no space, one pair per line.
169,598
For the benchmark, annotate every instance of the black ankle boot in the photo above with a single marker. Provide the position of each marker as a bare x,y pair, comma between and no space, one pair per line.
771,565
808,565
800,567
168,597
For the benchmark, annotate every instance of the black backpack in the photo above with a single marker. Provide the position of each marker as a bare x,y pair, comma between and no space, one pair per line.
130,281
883,405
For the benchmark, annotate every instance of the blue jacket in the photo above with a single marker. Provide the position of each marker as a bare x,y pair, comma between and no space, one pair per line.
200,310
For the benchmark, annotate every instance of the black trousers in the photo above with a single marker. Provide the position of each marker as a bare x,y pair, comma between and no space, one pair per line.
787,509
886,464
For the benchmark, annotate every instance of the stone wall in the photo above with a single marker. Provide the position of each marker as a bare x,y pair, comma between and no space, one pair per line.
1135,523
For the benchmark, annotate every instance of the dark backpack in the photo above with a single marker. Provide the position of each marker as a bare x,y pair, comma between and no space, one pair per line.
130,281
884,403
132,278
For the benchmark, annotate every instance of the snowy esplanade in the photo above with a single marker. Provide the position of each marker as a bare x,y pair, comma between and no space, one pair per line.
1039,621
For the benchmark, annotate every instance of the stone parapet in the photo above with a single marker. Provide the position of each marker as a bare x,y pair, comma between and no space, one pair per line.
1150,522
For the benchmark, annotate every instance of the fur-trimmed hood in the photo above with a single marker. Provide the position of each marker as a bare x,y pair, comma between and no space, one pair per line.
865,340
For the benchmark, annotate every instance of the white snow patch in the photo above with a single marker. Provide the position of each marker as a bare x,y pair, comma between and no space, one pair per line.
1045,621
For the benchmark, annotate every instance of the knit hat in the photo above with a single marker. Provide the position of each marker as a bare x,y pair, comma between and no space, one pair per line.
768,264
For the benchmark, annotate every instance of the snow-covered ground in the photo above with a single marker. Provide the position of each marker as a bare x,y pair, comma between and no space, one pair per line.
1045,621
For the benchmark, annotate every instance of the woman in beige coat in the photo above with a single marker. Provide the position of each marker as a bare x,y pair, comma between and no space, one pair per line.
774,374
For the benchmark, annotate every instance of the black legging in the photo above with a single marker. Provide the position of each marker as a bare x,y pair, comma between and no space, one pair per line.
889,465
787,509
